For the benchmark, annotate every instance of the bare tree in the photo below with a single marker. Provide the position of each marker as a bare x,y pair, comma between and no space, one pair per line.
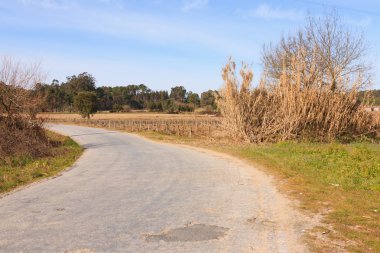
329,50
18,104
17,80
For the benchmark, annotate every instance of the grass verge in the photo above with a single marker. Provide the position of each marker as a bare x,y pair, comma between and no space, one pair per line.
24,170
339,181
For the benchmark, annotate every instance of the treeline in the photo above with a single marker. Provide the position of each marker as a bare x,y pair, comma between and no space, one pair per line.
63,97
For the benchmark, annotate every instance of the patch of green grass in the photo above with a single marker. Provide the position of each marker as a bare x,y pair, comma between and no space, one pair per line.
24,170
377,101
340,179
344,178
349,166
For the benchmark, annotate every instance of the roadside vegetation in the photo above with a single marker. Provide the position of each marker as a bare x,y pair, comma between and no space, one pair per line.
293,108
310,90
340,181
24,169
27,151
20,133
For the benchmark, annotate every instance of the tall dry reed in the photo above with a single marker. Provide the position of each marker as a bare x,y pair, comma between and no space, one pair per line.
298,107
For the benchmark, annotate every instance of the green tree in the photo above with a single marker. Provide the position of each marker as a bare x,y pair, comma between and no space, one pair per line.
178,93
193,98
85,103
117,108
155,106
170,106
208,99
75,84
82,82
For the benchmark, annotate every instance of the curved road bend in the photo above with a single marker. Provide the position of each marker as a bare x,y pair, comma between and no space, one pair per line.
128,194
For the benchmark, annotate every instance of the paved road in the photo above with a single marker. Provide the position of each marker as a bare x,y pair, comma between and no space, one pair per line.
128,194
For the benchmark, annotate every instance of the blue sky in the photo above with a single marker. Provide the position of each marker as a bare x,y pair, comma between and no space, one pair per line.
162,43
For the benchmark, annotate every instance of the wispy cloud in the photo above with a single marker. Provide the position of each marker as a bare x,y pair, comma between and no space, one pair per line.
49,4
265,11
159,30
189,5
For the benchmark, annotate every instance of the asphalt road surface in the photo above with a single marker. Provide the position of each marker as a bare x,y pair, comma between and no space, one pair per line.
128,194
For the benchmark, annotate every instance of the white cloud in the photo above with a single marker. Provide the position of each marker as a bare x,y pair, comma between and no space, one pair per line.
190,5
126,24
266,11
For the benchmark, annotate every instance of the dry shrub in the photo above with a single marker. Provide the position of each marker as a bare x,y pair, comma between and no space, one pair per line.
20,138
17,88
293,108
20,134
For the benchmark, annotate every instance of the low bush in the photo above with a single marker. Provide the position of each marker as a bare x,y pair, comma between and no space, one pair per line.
20,137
